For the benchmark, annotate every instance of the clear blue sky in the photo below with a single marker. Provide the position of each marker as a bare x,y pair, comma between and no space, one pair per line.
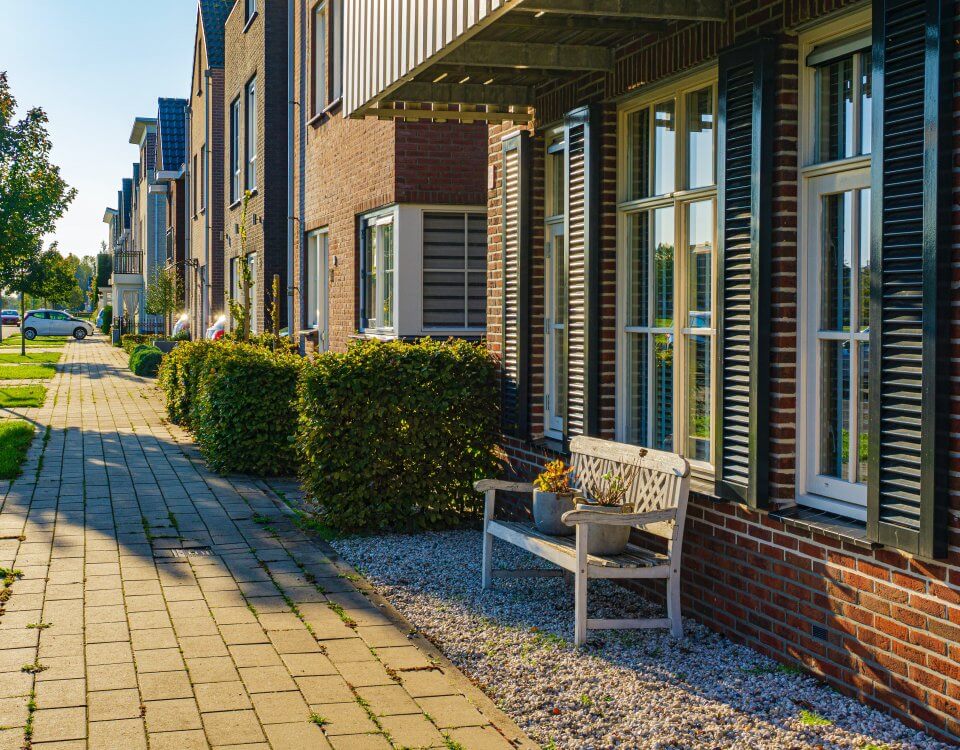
93,66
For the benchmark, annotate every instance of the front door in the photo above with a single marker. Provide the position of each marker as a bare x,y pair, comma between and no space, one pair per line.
318,288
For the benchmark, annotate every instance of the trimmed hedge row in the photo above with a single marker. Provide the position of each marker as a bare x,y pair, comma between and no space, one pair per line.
393,435
179,379
130,341
145,360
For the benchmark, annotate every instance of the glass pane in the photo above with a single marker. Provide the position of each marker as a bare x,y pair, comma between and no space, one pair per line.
310,273
663,392
863,417
559,312
700,229
835,116
638,138
700,138
638,374
835,409
664,148
558,183
386,238
319,58
663,232
370,290
864,260
477,242
836,262
866,102
698,397
639,268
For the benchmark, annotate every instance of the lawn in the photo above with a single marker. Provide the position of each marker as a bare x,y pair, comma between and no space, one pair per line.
27,372
23,397
42,342
35,358
15,438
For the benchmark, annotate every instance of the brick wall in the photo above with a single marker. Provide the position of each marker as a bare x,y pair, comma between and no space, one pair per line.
259,50
873,622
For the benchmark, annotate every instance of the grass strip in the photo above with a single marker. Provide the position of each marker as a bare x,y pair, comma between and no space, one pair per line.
27,372
15,438
22,397
40,342
34,358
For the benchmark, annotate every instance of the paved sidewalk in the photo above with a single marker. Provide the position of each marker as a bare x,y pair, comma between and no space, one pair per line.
163,606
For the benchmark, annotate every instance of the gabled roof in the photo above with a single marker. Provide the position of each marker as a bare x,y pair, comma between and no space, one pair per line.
171,133
213,16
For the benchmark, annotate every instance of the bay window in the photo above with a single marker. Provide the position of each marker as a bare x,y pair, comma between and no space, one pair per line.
378,273
454,270
666,270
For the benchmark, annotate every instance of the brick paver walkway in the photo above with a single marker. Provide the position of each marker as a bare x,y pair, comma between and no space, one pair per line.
163,606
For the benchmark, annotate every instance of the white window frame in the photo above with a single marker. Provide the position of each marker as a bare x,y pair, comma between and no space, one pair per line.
250,128
316,294
236,172
815,180
378,221
466,270
553,332
252,264
320,81
677,89
250,10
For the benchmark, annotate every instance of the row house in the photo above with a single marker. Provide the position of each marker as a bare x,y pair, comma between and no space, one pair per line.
389,218
149,214
126,280
728,229
171,176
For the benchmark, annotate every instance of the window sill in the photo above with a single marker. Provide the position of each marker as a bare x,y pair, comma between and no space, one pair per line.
326,113
250,21
551,444
235,204
828,524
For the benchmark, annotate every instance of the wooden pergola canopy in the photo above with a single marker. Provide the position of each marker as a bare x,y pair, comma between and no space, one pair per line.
491,73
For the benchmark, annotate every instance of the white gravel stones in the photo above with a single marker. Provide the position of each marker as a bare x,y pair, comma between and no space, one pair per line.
628,689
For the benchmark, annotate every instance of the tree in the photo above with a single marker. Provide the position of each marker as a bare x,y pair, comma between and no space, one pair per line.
104,267
33,196
165,293
45,276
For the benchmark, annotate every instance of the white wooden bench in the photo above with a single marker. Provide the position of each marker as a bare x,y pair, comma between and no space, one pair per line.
658,493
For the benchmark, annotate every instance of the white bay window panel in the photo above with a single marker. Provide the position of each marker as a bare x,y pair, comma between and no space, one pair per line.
454,270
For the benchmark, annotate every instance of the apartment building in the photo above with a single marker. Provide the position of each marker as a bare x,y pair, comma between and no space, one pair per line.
728,230
389,217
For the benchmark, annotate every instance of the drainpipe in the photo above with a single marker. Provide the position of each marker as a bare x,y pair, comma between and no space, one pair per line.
187,218
205,274
291,197
302,156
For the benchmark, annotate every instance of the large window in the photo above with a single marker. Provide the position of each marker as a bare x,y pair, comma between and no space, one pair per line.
251,134
834,359
378,276
315,278
666,269
454,270
327,54
235,177
555,287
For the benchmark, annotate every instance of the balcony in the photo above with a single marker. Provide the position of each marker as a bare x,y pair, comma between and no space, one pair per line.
128,262
480,60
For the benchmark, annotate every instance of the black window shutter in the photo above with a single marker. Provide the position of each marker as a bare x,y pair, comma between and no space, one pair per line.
910,276
745,188
515,207
362,245
582,135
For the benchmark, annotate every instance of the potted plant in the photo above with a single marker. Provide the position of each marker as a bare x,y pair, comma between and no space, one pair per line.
607,496
552,497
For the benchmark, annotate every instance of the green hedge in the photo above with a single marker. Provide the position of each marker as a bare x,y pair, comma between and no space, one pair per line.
179,378
145,360
244,418
107,319
393,435
130,341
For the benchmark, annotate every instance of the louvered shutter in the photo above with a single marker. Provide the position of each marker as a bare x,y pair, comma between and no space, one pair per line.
745,187
910,276
515,206
583,271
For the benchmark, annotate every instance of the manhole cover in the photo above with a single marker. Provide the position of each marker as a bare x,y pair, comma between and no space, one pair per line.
191,552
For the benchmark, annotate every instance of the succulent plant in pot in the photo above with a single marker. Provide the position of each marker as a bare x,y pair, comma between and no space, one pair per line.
607,495
552,497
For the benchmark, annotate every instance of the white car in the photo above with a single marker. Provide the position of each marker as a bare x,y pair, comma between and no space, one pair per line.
54,323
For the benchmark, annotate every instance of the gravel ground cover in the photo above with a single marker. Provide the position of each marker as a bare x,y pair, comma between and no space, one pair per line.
640,689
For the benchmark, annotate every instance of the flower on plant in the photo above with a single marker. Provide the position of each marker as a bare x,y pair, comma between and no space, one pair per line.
555,478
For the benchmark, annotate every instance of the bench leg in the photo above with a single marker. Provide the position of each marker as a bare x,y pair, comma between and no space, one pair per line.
580,588
488,509
673,604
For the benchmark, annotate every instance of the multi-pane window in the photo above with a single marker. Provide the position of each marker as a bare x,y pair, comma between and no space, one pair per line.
235,176
327,54
666,270
379,270
555,286
835,316
315,275
454,270
251,134
203,177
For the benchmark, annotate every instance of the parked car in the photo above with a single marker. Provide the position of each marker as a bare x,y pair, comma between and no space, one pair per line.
54,323
10,317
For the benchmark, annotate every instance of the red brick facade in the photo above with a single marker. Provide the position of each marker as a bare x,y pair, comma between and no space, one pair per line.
873,622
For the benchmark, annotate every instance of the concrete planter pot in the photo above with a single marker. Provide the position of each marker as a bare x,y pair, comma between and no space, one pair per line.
548,510
606,540
165,346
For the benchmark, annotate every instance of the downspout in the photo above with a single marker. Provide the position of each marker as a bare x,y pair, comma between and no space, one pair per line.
291,196
302,160
187,219
207,208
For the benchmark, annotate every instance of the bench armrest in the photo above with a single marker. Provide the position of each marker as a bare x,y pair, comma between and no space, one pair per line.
501,485
574,517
